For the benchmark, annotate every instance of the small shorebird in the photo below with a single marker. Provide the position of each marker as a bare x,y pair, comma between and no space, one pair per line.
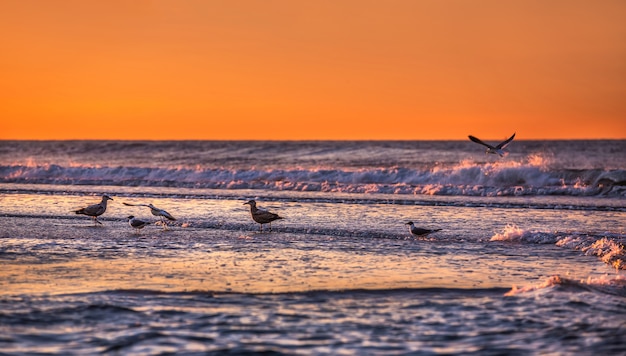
499,149
261,216
95,210
162,214
418,231
137,224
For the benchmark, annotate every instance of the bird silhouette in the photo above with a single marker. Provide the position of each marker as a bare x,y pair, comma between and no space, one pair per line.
418,231
499,149
95,210
261,216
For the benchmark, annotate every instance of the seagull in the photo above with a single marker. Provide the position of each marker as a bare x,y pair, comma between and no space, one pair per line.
156,212
136,223
261,216
499,149
95,210
418,231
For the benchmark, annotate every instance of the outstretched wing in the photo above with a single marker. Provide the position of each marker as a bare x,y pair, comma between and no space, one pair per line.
503,144
129,204
159,212
166,214
479,141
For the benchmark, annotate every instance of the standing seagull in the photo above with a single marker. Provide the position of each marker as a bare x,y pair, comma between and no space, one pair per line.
261,216
418,231
95,210
157,212
499,149
136,223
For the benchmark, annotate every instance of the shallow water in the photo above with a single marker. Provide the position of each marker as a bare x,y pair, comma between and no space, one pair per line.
374,322
510,273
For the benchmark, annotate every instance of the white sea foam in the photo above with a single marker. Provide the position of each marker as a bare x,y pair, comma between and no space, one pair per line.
515,234
470,179
609,247
615,285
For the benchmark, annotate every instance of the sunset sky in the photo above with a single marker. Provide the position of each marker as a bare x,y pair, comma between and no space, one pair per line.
336,69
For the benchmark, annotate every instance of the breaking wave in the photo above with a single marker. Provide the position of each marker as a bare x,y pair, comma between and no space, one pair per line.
605,284
609,247
532,177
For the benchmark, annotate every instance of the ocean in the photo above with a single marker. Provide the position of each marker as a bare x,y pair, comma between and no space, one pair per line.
530,258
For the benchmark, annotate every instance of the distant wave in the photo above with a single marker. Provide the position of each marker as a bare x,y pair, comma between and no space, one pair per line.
465,178
609,247
434,291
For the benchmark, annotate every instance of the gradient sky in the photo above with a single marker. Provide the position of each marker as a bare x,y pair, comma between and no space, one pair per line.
336,69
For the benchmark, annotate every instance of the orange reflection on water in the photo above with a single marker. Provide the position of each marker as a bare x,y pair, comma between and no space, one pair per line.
266,271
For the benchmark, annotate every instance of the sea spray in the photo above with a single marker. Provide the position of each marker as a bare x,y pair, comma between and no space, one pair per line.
614,285
465,179
609,247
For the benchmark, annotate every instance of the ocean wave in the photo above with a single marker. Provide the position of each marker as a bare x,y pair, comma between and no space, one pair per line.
609,247
209,294
605,284
510,178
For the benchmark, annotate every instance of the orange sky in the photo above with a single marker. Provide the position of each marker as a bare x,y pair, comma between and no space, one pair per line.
336,69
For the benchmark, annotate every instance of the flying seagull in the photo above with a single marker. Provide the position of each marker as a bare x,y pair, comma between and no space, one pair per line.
137,224
418,231
162,214
261,216
95,210
498,149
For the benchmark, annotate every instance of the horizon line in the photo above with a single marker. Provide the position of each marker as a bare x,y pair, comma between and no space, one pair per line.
300,140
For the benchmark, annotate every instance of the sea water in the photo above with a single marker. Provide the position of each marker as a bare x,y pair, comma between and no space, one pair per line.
529,260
